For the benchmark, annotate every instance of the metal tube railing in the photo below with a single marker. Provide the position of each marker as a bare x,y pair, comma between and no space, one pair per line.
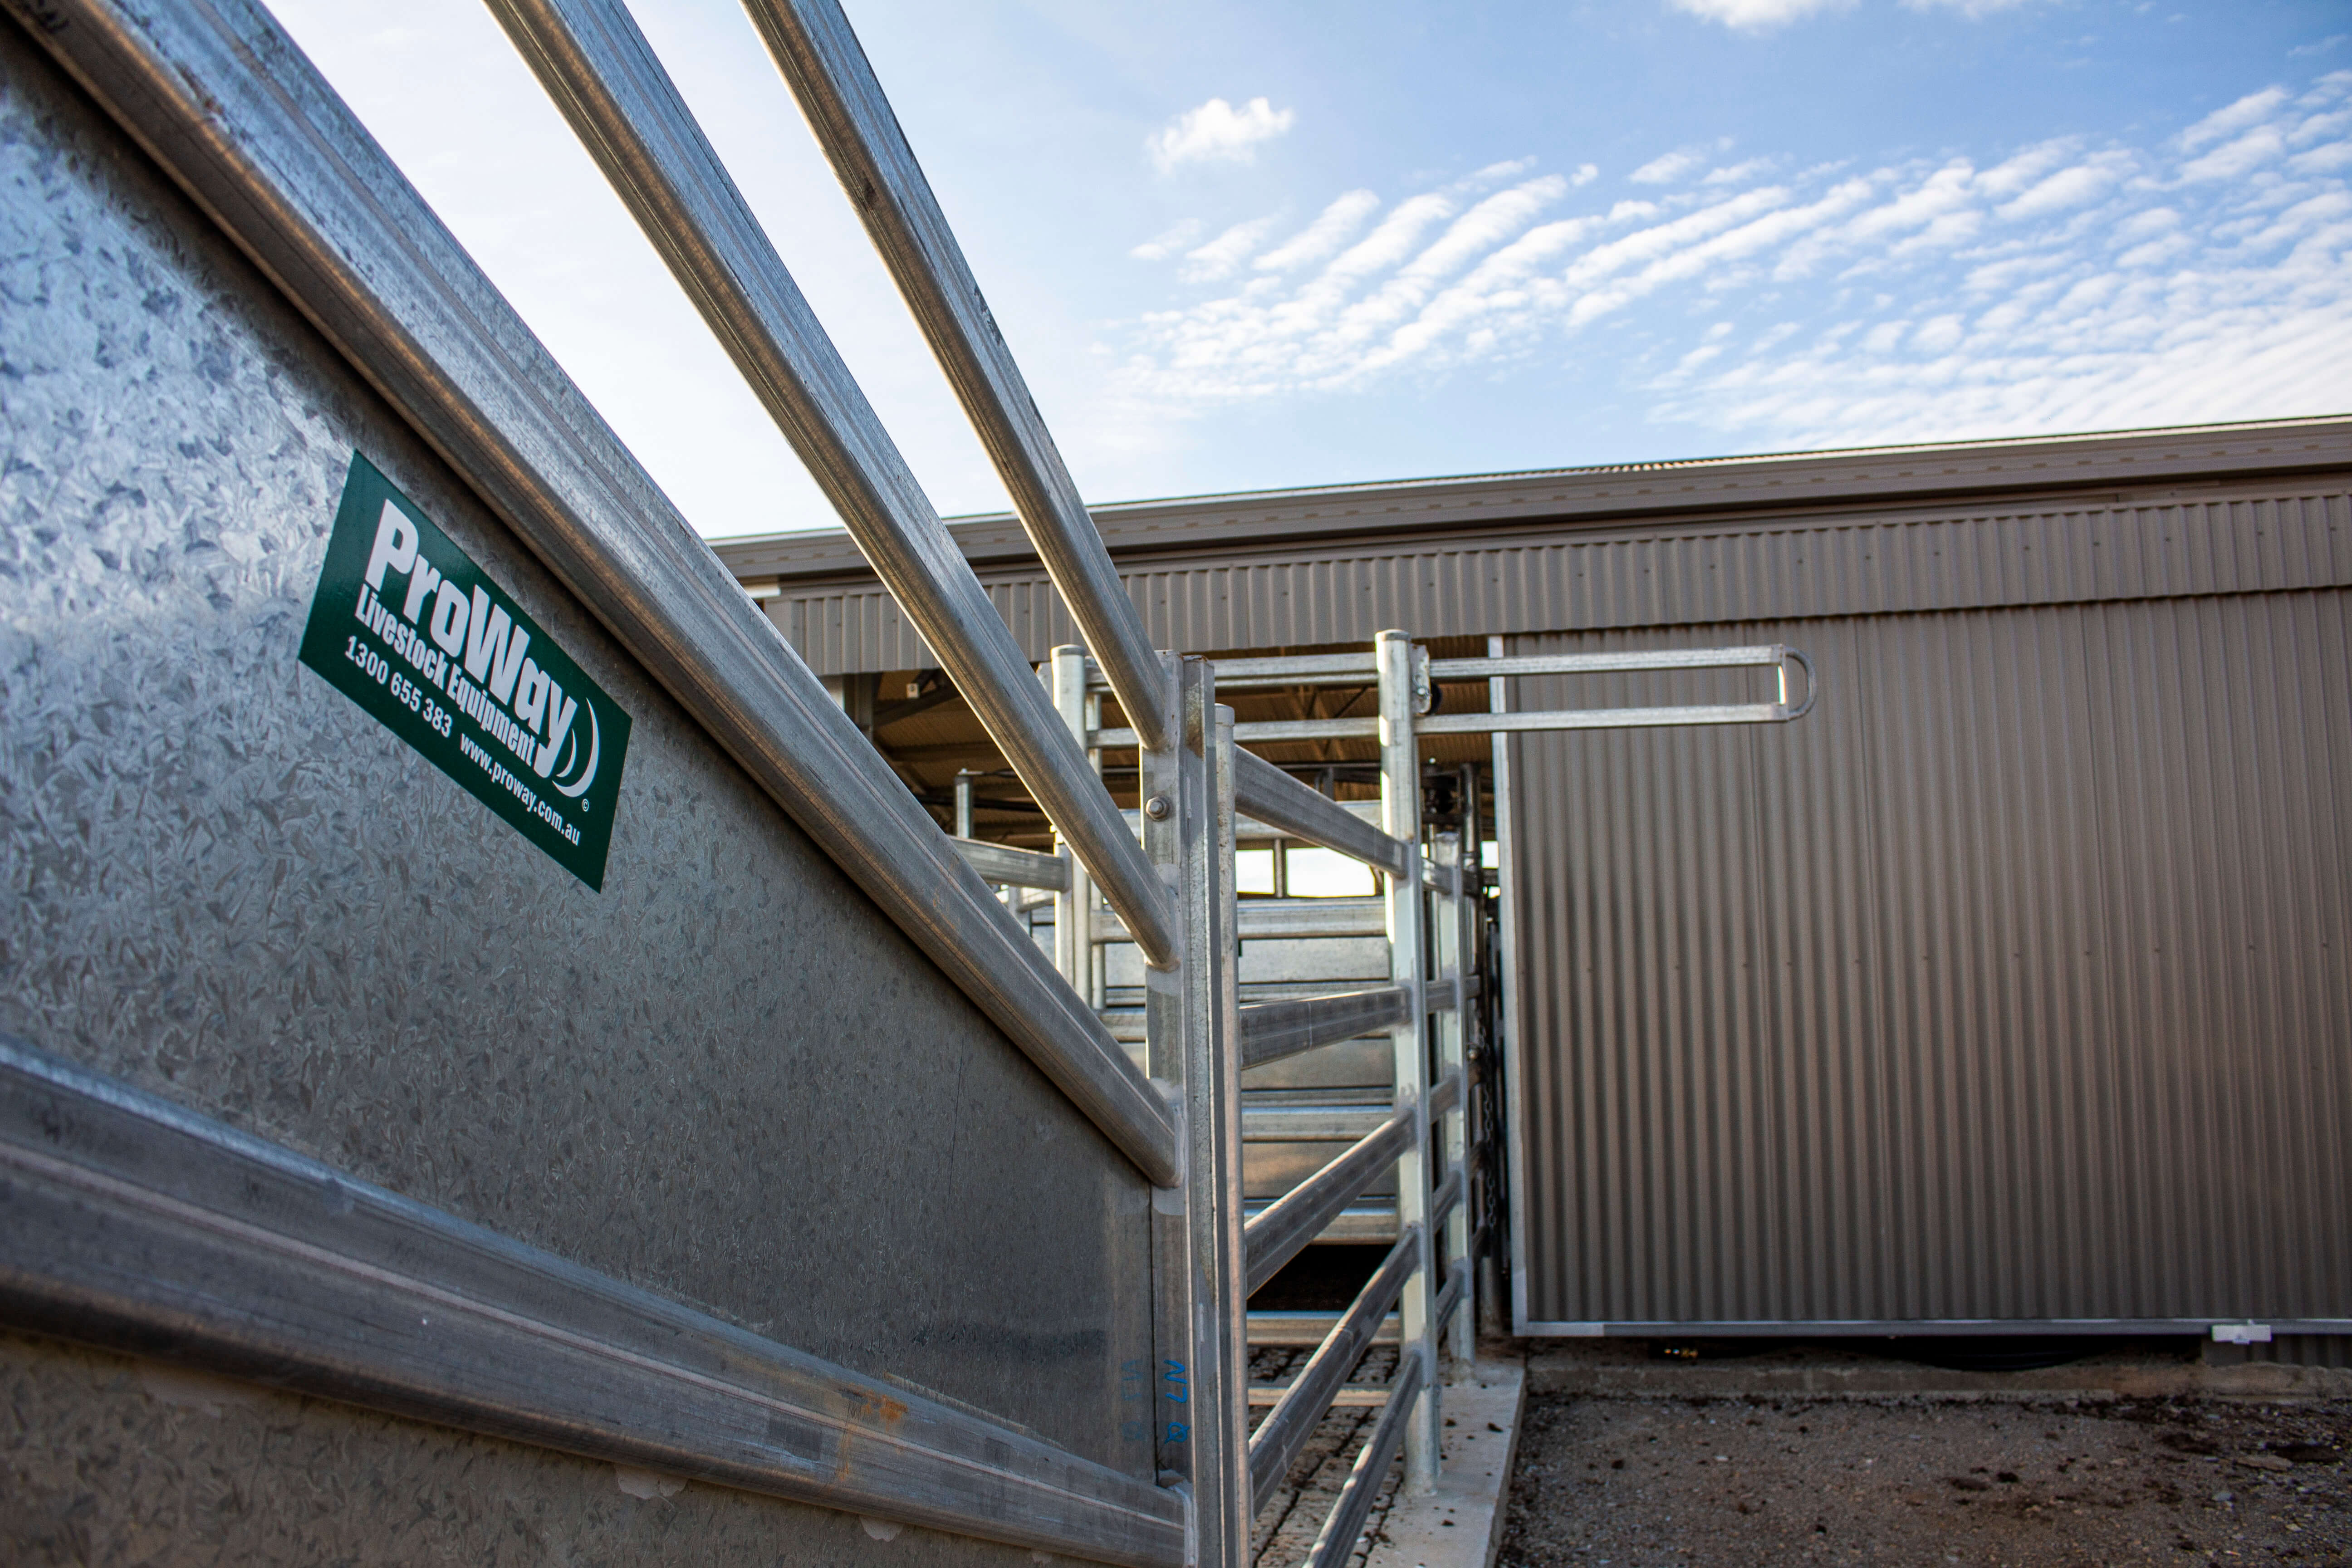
232,113
813,45
603,76
1277,799
1336,1541
1272,1030
1002,866
1274,1445
1274,1238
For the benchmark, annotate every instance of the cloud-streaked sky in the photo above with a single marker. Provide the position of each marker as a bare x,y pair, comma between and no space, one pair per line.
1241,246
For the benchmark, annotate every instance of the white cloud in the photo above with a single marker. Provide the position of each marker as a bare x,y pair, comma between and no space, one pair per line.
1162,245
1756,13
2070,188
2064,284
1331,229
2251,110
2234,159
1972,9
1939,335
1666,170
1223,254
1217,133
1585,174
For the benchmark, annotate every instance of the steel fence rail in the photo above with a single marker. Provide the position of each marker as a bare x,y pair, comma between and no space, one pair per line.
1446,1094
1446,1199
1274,1237
1310,1123
1492,666
1002,866
232,112
1336,1541
1274,798
1274,1445
597,66
1272,1030
819,54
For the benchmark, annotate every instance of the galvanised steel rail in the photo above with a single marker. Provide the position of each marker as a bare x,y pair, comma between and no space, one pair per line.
1275,1236
603,76
1781,710
821,59
1274,1445
1272,1030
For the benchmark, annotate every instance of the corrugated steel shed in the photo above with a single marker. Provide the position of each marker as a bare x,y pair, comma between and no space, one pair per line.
2228,509
2009,984
2008,987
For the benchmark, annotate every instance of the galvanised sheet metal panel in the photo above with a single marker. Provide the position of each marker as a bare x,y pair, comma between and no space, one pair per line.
203,1469
2009,984
2294,532
713,1080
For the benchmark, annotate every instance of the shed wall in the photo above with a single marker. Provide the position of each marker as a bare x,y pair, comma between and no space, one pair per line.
2253,537
2009,984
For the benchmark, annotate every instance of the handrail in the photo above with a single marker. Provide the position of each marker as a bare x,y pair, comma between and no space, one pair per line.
1523,664
1274,1238
813,46
1002,866
1336,1541
1310,1123
1274,1445
1264,919
1518,722
233,111
603,76
1272,1030
1274,798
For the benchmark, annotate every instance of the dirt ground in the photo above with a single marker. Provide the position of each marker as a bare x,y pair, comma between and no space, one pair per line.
1635,1483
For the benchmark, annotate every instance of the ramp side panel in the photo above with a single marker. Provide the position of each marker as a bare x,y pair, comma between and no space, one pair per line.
726,1077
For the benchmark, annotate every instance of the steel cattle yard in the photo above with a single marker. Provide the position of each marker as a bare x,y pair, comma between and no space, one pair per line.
483,1016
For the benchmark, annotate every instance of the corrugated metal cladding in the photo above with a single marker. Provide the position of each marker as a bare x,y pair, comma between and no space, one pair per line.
2012,983
2288,533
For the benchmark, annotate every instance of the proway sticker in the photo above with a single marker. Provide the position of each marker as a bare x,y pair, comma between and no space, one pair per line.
405,625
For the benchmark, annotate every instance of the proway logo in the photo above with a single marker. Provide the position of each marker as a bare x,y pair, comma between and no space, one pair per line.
405,625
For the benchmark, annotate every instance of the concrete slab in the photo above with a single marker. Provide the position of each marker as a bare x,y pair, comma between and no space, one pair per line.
1461,1525
1625,1369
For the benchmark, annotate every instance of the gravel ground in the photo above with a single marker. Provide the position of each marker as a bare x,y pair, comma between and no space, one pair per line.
1635,1483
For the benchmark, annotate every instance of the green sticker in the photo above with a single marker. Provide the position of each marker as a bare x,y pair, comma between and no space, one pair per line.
407,626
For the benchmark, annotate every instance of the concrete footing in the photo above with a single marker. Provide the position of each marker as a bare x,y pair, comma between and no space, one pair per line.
1461,1524
1625,1369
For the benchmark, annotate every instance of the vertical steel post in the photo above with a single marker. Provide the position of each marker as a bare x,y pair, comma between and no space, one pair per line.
1506,949
1097,971
1192,1032
963,801
1074,924
1451,956
1408,956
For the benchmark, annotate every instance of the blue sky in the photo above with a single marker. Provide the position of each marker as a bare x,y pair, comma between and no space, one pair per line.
1242,246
